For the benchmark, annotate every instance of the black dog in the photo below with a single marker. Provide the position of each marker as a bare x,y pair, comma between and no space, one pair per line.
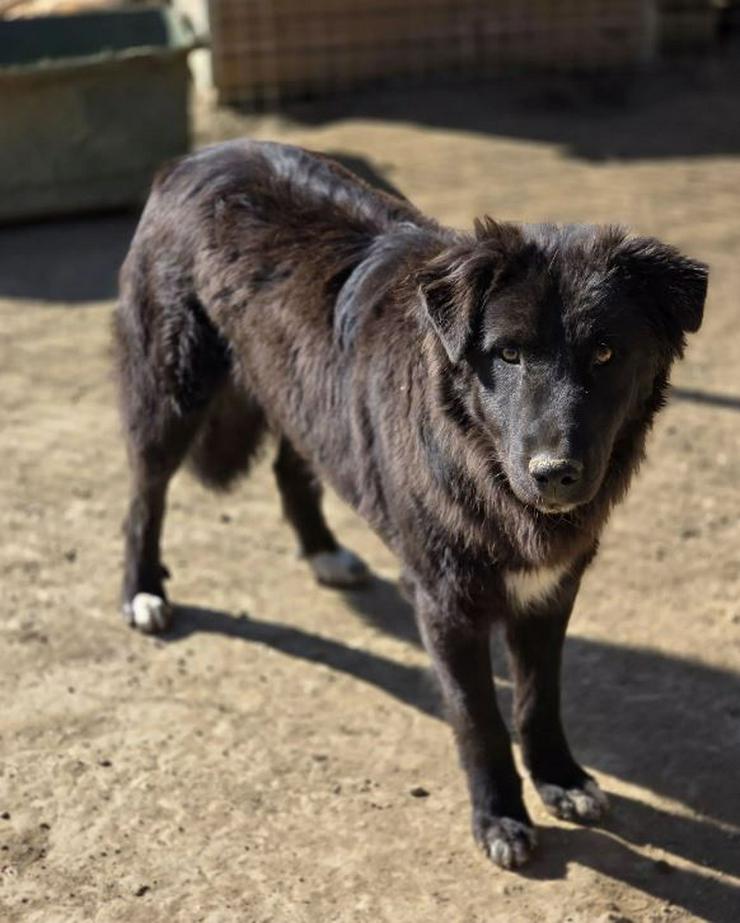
481,399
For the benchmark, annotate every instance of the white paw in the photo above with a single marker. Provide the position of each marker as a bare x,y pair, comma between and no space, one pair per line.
509,843
340,568
150,614
587,803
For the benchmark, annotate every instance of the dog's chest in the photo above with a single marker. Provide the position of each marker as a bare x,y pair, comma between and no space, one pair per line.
529,588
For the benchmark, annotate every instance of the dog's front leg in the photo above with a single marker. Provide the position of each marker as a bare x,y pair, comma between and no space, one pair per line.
461,657
535,642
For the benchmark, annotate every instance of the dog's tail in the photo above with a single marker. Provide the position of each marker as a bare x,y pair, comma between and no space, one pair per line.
228,439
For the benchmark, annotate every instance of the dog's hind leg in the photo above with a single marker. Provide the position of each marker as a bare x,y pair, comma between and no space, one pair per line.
171,364
300,491
153,463
219,441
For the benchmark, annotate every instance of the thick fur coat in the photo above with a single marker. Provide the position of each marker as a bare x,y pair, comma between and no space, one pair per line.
481,399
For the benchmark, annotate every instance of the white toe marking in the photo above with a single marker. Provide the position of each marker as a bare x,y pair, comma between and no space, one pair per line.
527,588
599,796
587,803
149,612
338,568
510,843
502,853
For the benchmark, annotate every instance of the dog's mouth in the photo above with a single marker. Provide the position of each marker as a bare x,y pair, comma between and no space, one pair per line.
554,509
548,506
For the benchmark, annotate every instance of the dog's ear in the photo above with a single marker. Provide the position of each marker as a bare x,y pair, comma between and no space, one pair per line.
671,286
454,285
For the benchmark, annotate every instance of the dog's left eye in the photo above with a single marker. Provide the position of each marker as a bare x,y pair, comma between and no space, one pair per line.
510,354
602,354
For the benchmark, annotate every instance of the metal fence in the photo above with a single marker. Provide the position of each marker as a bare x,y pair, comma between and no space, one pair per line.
268,50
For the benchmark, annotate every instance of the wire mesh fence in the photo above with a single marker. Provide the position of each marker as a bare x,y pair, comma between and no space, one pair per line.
268,50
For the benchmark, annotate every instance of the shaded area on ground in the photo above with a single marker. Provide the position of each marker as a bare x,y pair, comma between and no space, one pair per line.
66,259
680,110
728,401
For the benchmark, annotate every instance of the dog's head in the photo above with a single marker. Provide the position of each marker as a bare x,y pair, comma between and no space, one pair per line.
562,336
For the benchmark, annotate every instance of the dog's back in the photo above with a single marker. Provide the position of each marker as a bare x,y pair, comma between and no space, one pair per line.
251,271
277,190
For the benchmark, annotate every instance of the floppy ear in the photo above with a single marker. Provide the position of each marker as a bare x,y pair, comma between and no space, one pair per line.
453,285
673,286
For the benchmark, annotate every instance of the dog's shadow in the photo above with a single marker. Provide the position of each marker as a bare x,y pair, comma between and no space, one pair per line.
658,722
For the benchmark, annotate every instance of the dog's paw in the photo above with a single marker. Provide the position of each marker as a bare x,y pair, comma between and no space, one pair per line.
585,802
507,842
149,613
340,568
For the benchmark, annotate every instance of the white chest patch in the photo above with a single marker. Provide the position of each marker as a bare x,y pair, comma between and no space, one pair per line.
527,588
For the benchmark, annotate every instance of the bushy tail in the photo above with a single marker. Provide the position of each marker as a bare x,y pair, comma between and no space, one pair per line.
228,439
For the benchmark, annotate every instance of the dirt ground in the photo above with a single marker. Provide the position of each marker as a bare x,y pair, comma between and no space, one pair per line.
258,763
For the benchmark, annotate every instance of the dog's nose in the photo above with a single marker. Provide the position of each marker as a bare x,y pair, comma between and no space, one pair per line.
554,476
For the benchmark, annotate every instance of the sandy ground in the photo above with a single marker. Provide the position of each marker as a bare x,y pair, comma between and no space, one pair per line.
257,764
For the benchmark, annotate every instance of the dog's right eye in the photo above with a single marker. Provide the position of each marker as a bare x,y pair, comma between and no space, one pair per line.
602,354
511,355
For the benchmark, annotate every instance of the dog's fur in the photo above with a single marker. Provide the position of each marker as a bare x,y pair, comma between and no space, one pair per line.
423,373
